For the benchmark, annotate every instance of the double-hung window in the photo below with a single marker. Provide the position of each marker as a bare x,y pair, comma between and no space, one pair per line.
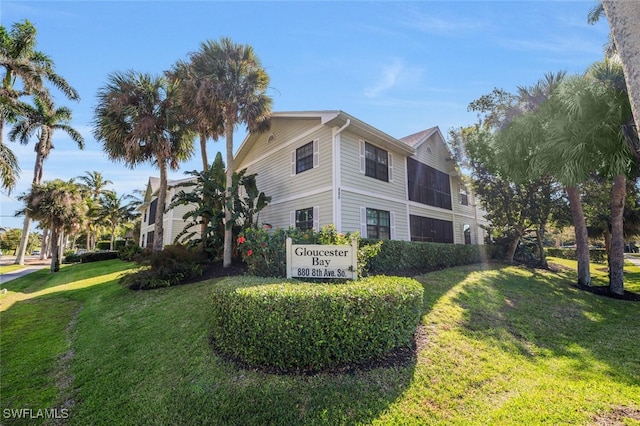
378,224
375,162
305,157
304,219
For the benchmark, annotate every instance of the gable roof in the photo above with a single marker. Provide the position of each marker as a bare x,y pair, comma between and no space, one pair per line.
330,118
418,138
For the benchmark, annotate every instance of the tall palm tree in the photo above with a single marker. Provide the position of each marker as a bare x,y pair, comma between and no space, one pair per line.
94,185
231,75
42,119
194,97
138,120
32,68
57,205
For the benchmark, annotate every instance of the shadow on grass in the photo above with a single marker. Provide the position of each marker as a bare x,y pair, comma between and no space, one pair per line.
540,313
145,358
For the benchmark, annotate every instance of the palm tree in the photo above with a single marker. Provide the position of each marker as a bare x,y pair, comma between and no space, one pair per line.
585,135
57,205
94,186
232,76
137,120
115,212
194,97
21,61
43,119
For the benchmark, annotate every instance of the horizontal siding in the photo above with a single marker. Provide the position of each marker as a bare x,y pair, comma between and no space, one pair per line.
351,203
351,177
283,131
274,172
278,214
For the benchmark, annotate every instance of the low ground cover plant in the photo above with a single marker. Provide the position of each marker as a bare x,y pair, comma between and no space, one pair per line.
298,326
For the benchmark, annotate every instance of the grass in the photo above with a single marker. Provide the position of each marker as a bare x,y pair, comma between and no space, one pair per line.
5,269
500,345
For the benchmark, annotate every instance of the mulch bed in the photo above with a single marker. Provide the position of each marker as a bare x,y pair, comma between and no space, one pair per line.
601,290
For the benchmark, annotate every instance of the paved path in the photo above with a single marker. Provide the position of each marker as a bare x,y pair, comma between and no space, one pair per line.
31,266
633,259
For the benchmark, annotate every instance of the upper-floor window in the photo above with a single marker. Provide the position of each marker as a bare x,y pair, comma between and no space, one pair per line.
305,157
375,162
427,185
464,196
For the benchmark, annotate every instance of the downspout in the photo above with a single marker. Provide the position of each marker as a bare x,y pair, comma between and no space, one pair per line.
337,177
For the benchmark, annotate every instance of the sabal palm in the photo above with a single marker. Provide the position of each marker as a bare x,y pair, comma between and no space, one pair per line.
585,135
139,120
233,78
57,205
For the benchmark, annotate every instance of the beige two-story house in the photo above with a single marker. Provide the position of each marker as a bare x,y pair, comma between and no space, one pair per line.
328,167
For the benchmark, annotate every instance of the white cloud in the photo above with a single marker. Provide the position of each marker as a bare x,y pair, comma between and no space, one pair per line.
392,75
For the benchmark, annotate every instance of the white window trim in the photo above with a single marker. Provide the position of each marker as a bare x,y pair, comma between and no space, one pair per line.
316,156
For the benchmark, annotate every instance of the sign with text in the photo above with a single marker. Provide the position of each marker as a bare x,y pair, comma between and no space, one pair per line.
322,261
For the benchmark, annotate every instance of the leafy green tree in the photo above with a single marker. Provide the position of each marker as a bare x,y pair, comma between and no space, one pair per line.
57,205
234,80
138,120
208,198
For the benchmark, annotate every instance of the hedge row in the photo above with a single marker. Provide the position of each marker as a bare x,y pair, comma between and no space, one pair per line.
294,326
595,255
410,257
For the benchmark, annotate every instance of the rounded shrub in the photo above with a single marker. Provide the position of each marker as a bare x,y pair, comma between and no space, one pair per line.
297,326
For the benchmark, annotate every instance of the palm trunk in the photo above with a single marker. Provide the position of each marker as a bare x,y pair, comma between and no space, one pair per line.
623,17
228,218
55,250
26,225
158,230
616,258
45,244
205,167
582,239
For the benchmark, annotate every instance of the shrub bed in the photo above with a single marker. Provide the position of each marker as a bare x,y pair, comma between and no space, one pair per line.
595,255
97,256
174,265
411,257
295,326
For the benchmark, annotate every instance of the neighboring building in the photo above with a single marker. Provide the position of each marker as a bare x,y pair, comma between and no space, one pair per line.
328,167
173,223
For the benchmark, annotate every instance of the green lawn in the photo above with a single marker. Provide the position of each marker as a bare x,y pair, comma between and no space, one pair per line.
499,345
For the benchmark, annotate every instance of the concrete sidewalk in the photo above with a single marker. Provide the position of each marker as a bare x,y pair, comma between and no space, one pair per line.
633,259
32,264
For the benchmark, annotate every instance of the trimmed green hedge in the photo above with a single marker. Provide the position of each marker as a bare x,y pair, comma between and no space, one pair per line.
595,255
411,257
296,326
97,256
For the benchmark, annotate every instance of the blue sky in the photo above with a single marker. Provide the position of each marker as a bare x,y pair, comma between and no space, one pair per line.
400,66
